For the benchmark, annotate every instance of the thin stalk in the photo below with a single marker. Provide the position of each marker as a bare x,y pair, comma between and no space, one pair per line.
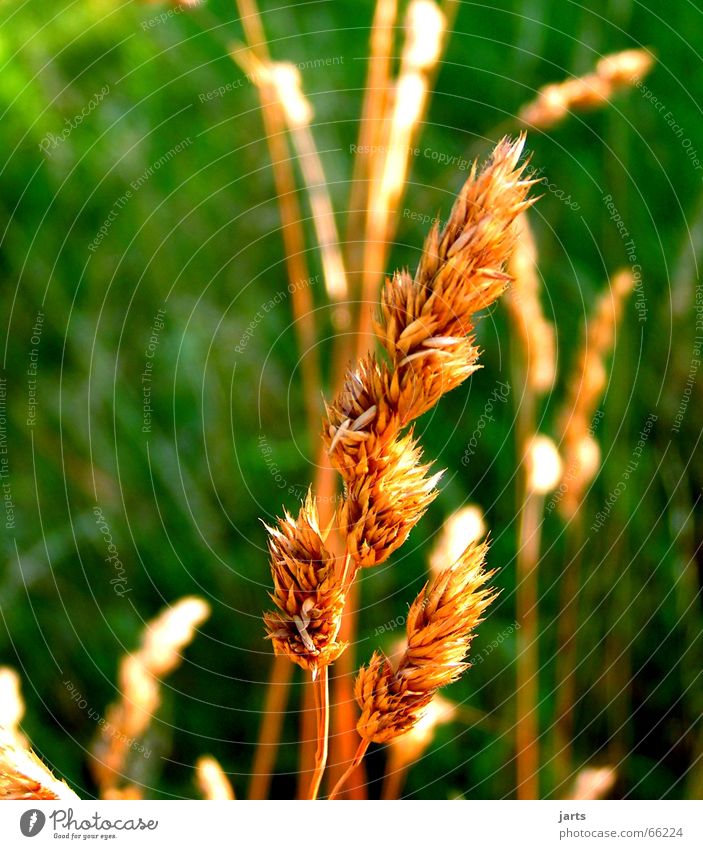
253,27
296,265
394,777
376,96
293,236
344,717
567,657
307,737
526,594
358,757
270,730
323,730
292,231
527,725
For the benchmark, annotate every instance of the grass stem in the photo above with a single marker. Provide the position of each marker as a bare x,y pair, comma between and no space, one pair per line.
358,757
270,731
323,729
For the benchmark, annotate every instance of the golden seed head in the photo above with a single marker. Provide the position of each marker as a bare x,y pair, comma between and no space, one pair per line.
463,527
614,72
382,506
440,626
211,780
594,783
308,592
544,465
425,321
24,776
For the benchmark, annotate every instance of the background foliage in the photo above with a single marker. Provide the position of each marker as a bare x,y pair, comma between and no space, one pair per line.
200,239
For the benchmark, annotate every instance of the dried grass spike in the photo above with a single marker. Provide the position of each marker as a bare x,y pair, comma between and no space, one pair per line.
128,719
212,781
460,273
24,776
440,626
462,268
308,592
384,505
586,387
173,629
535,333
459,531
554,102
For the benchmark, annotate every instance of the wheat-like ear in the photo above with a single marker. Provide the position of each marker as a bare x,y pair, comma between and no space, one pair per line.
441,624
212,781
308,592
425,321
585,390
140,672
425,325
24,776
613,72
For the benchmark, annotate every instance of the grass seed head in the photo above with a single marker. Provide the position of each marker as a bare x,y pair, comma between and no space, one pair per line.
383,505
308,592
440,626
24,776
556,101
426,321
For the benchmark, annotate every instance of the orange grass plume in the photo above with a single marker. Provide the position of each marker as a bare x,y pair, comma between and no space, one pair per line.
24,776
426,321
580,450
425,325
308,592
128,719
440,626
614,72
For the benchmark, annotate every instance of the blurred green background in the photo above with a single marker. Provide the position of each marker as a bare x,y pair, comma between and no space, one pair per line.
199,239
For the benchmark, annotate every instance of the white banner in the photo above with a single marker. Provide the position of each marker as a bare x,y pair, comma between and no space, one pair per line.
356,825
